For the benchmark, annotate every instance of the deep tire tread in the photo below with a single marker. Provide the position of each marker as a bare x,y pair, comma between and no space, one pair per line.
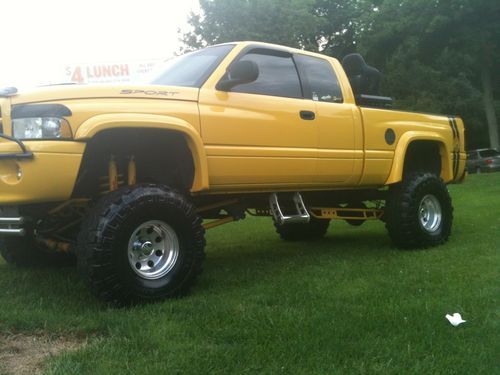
97,238
402,211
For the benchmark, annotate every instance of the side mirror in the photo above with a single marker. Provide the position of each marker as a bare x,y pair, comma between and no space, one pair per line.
238,73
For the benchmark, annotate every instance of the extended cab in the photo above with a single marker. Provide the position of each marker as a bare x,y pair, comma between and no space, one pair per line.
128,178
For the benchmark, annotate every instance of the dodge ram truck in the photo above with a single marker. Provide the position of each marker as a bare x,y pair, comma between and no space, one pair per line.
126,179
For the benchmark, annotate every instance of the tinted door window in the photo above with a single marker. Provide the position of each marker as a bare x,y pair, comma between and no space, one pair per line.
319,79
277,75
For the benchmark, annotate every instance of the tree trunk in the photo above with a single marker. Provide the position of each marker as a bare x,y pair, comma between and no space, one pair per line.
489,108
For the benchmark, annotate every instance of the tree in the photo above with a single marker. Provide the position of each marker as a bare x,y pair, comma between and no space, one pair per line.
289,22
342,24
327,25
438,56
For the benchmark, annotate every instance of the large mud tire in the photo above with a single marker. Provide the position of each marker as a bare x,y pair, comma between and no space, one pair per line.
120,231
419,212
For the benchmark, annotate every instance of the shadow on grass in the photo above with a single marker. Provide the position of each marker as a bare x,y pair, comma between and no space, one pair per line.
239,260
238,255
235,260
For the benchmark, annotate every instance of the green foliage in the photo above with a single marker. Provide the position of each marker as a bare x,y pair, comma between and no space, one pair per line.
342,24
328,25
432,52
274,21
347,304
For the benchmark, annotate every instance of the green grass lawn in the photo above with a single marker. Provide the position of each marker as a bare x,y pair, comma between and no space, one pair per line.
349,303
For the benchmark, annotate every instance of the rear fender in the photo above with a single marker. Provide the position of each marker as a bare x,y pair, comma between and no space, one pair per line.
396,174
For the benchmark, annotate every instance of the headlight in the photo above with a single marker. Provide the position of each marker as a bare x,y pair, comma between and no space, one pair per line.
41,128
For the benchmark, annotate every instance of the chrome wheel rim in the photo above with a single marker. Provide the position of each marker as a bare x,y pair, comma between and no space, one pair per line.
429,213
153,249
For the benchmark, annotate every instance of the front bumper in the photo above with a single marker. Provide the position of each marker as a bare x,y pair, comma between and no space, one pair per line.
49,175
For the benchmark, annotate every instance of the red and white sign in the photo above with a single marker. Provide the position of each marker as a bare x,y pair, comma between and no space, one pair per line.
110,72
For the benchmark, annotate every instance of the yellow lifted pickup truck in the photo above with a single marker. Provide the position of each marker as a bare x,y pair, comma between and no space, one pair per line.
128,178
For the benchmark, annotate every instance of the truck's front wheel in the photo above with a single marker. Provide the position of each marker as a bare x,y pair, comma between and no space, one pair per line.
419,212
141,244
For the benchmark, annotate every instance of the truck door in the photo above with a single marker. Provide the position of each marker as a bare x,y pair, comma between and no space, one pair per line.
263,133
340,154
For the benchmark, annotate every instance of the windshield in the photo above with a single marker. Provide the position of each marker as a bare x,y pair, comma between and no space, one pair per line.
191,69
488,153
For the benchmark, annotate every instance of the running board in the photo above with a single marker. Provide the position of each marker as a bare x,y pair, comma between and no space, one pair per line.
346,213
302,215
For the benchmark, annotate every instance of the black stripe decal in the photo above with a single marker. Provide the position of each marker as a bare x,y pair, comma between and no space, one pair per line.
454,121
456,139
458,149
451,120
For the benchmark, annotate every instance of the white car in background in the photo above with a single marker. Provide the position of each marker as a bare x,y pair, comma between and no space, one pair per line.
483,160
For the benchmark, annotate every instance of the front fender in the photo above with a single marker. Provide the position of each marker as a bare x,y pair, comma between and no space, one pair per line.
98,123
396,174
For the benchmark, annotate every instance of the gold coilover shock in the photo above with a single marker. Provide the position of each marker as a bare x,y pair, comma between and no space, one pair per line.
114,179
131,171
112,174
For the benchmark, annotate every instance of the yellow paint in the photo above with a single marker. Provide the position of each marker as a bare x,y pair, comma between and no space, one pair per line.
240,142
44,147
49,177
404,142
345,213
408,127
218,222
5,110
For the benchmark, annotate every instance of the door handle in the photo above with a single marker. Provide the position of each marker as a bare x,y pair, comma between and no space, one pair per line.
307,115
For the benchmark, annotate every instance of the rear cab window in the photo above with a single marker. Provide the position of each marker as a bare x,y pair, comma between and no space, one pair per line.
319,80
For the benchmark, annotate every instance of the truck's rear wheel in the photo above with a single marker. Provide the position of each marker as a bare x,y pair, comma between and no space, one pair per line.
141,244
419,212
315,228
28,252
